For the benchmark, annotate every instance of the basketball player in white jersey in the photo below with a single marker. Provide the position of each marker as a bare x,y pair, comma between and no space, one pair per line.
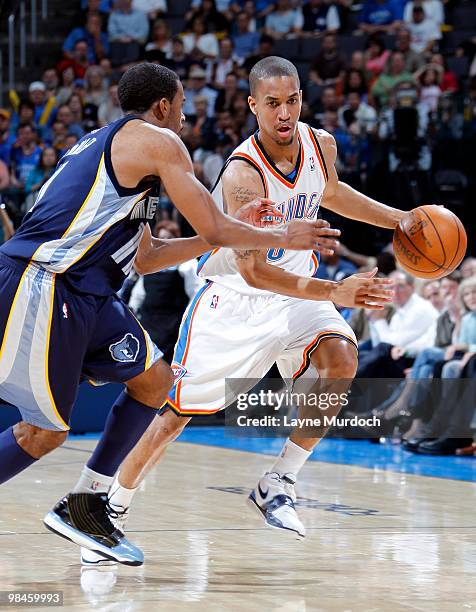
264,307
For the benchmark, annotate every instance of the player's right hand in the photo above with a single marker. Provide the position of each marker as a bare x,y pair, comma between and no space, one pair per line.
316,235
363,291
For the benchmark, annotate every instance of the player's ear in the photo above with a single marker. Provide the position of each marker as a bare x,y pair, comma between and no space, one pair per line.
161,108
252,104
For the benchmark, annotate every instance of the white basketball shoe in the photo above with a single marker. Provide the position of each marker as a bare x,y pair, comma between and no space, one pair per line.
274,498
118,515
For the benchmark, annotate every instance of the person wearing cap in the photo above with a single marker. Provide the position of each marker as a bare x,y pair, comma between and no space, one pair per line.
45,109
196,85
424,31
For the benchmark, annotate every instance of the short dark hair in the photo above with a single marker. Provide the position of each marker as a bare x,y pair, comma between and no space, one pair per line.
144,84
272,66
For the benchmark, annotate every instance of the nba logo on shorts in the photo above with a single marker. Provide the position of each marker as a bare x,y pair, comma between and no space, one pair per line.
178,371
214,302
312,163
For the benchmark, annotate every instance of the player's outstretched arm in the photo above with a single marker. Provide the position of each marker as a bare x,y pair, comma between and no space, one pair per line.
348,202
174,166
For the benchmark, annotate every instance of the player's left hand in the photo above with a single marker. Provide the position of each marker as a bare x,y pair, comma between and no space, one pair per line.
260,213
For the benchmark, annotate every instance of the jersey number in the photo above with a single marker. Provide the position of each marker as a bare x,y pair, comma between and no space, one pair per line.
275,254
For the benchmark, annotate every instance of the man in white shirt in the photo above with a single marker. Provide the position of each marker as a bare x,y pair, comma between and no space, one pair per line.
411,328
424,31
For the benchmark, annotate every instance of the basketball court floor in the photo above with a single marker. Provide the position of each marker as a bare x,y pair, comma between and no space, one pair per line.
386,531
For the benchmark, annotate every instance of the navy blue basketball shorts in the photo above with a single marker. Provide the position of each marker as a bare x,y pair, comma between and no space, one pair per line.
52,338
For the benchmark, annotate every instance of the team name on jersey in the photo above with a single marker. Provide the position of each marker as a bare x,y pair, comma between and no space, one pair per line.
300,206
145,209
80,147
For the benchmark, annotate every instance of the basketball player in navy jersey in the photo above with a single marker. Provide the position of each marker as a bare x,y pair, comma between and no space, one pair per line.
60,320
287,316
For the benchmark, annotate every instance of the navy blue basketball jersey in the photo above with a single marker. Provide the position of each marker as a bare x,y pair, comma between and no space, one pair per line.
84,225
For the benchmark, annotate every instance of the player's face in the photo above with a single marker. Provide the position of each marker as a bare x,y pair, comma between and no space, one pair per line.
277,107
175,117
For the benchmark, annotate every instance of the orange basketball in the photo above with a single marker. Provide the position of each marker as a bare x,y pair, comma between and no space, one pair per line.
429,242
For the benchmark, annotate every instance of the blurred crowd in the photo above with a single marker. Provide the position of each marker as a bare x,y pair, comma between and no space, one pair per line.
393,80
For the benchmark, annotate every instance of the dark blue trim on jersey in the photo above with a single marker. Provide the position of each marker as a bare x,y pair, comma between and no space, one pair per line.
122,191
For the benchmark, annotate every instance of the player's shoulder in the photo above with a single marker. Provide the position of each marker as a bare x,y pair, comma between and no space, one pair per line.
324,138
240,169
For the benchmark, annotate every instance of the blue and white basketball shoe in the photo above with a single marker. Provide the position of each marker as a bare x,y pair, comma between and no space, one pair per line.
118,516
274,498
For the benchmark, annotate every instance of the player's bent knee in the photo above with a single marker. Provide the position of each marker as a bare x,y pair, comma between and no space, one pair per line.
338,359
38,442
152,386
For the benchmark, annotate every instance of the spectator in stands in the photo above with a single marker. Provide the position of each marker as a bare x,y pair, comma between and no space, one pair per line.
376,56
250,9
319,16
66,88
198,43
413,60
96,40
196,85
431,291
96,90
244,41
51,81
433,9
79,61
424,32
448,81
215,20
4,177
283,21
110,110
128,30
179,61
334,267
379,16
7,138
57,136
227,94
77,109
411,328
468,267
153,8
6,225
25,155
357,61
225,63
388,81
44,109
354,81
161,39
429,89
328,102
328,66
73,126
356,110
265,49
38,176
203,125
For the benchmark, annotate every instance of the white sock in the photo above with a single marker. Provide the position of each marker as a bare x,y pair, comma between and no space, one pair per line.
291,459
92,482
119,495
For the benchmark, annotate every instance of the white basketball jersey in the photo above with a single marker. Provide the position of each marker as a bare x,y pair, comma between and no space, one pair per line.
297,197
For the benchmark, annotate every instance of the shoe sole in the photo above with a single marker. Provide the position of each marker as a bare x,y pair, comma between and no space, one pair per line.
256,508
57,526
103,562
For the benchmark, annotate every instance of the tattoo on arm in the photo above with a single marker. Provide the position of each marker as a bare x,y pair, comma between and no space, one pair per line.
243,194
242,255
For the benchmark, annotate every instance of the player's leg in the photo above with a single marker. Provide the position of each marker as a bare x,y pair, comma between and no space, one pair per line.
325,362
120,351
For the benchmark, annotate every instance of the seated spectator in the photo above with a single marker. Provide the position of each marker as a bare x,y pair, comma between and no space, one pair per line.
284,20
327,102
376,56
250,9
57,136
468,267
66,87
265,49
429,89
432,291
216,21
388,81
202,124
334,268
96,40
244,41
6,225
51,82
196,85
4,177
110,109
96,90
25,155
7,138
328,66
356,110
423,31
179,61
85,115
70,141
354,81
152,8
411,329
379,16
227,93
319,16
433,10
38,176
79,61
44,109
225,63
413,60
72,125
199,43
161,39
448,82
128,29
357,61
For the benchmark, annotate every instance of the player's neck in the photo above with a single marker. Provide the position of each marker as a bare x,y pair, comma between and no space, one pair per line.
279,153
